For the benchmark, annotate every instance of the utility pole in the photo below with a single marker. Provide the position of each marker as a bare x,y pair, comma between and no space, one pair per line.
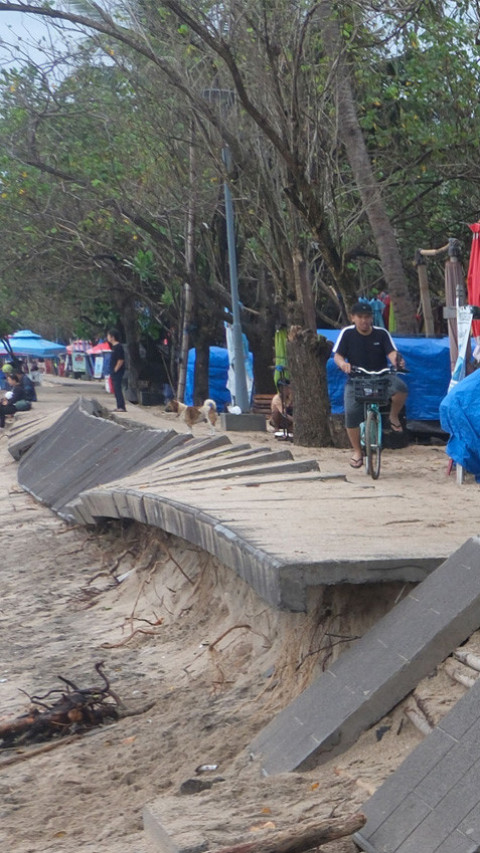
224,97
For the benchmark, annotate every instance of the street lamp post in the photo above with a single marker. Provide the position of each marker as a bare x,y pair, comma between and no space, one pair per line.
225,98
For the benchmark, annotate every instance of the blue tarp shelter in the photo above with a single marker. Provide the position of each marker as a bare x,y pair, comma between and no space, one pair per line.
217,377
428,360
28,344
460,417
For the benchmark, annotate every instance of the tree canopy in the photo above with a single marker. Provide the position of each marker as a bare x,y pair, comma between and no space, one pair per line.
350,128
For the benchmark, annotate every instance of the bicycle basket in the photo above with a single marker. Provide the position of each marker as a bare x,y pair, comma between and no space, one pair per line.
370,389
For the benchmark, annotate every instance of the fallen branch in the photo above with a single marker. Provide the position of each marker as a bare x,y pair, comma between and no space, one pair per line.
130,637
76,709
176,563
233,628
297,840
64,741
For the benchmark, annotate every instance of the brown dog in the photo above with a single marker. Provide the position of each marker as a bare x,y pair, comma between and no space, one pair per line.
206,413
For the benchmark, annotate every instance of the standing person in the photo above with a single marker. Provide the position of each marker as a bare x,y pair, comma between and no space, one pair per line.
117,367
364,345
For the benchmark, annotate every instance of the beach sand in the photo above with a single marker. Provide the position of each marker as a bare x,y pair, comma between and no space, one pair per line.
180,632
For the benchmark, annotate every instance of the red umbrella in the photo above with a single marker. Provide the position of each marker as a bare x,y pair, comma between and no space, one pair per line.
473,275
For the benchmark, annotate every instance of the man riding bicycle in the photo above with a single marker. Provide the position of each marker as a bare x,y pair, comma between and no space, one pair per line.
364,345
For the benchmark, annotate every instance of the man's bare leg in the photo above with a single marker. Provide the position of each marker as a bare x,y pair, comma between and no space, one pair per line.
354,439
397,403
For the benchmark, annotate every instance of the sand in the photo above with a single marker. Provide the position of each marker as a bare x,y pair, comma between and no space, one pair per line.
177,629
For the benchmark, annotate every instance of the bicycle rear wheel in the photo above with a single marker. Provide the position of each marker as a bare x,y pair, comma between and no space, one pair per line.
373,443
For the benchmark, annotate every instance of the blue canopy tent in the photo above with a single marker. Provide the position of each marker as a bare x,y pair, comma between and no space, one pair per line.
25,344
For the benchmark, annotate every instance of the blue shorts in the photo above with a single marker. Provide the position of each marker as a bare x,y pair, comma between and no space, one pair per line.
354,411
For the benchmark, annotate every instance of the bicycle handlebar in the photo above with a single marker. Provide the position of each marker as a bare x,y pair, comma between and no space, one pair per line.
390,369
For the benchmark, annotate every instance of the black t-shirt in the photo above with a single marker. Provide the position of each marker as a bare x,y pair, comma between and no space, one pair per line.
117,354
367,351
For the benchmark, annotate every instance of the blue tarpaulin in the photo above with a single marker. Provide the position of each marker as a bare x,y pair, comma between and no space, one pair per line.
217,377
460,417
428,360
428,363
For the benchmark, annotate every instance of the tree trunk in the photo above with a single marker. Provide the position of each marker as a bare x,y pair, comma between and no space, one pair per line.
350,133
133,360
202,360
307,363
304,290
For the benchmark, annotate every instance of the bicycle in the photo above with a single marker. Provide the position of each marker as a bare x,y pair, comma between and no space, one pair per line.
371,389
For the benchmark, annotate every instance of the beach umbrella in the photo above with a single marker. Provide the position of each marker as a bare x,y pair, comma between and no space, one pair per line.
99,349
473,275
26,343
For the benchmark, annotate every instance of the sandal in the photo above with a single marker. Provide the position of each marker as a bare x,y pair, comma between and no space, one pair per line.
356,463
395,427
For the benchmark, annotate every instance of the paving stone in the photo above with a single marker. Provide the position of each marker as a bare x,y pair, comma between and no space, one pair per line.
443,774
373,669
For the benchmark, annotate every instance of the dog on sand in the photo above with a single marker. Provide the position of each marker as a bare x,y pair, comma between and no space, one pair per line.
206,413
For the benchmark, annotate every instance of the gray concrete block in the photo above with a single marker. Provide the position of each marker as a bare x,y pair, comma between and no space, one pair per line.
409,814
450,769
247,422
457,843
401,783
225,467
442,773
380,668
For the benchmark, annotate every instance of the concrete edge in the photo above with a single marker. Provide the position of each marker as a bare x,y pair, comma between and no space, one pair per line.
257,568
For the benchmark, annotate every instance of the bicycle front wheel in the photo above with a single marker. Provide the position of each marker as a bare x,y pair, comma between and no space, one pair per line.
373,443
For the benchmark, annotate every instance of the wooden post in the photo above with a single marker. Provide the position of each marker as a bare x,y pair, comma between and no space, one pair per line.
421,265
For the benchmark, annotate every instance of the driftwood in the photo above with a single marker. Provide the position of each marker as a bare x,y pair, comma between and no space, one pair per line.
468,658
298,840
462,678
64,741
419,720
75,710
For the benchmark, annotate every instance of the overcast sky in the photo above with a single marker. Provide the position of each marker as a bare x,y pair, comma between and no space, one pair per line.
23,35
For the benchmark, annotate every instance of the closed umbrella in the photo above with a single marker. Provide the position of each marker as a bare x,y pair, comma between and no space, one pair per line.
473,275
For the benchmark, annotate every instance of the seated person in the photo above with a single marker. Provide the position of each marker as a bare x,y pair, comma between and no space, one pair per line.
15,394
282,408
28,387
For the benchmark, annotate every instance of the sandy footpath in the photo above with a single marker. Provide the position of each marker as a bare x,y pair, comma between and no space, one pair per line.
177,629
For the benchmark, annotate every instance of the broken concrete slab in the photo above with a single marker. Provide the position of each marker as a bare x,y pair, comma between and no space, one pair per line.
432,801
379,670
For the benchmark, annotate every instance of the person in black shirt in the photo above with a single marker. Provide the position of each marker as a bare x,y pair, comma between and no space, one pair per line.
117,368
364,345
13,396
